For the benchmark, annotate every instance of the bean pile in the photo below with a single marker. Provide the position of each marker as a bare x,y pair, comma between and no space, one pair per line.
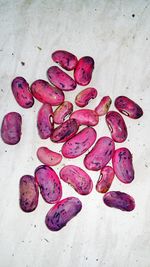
74,143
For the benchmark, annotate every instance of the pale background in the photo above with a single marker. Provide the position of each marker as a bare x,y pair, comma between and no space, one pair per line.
117,35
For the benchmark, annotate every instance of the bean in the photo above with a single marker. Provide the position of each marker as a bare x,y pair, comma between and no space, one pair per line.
83,98
83,70
49,184
117,126
65,59
20,89
128,107
100,154
11,128
45,123
29,193
105,180
48,157
122,165
86,117
65,131
103,106
62,111
62,212
60,79
119,200
46,93
79,143
77,178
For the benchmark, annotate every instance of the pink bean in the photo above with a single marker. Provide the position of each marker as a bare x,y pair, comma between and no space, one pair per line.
62,212
83,98
83,70
86,117
119,200
122,165
103,106
80,143
29,193
49,183
46,93
105,180
11,128
62,111
117,126
65,131
100,154
23,96
48,157
67,60
45,123
77,178
60,79
128,107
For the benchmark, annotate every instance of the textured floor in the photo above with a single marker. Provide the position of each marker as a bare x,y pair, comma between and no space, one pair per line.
117,35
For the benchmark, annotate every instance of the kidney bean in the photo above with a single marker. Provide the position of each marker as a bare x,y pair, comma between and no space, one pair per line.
117,126
45,123
128,107
11,128
105,180
119,200
65,59
103,106
100,154
79,143
77,178
46,93
86,117
23,96
60,79
122,165
49,183
83,70
62,111
83,98
62,212
48,157
29,193
65,131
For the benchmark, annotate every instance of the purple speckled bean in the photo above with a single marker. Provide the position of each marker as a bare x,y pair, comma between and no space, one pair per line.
83,70
29,193
62,212
83,98
49,183
79,143
105,180
119,200
11,128
122,165
45,123
128,107
46,93
65,59
100,154
77,178
20,89
48,157
117,126
103,106
65,131
62,111
60,79
86,117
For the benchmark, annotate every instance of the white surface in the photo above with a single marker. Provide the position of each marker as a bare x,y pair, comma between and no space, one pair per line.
119,44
